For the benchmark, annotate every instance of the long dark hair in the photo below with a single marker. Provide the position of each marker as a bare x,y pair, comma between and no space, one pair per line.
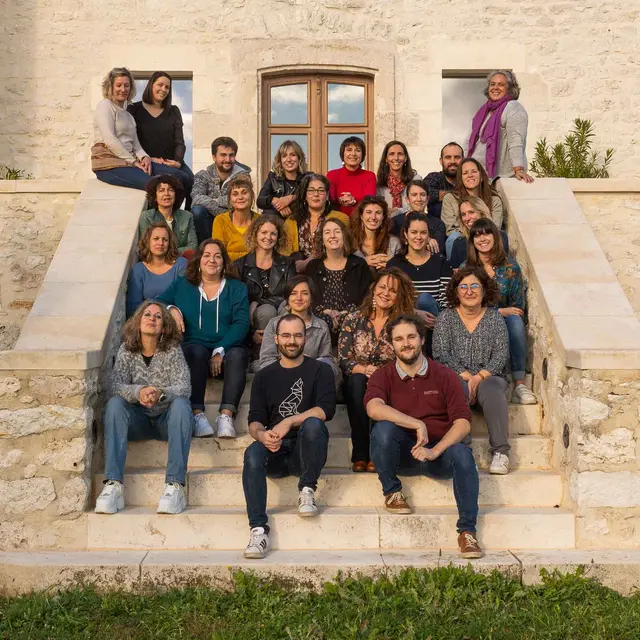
498,254
383,233
193,274
383,167
405,301
300,203
147,94
412,216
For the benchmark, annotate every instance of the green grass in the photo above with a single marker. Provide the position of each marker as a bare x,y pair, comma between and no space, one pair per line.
447,603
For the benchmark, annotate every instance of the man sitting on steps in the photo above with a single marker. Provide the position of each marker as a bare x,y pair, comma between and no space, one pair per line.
290,401
422,425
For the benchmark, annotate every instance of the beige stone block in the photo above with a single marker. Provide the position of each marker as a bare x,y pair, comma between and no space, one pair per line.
592,299
61,299
26,422
96,190
51,360
541,189
22,573
74,496
18,497
66,455
606,185
90,212
469,54
102,239
498,528
9,386
41,333
619,489
559,211
10,458
81,267
68,534
502,561
61,386
397,561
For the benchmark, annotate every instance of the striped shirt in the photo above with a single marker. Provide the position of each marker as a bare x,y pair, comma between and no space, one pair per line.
431,277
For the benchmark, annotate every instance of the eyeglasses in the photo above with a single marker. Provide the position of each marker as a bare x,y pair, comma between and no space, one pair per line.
319,192
288,336
465,287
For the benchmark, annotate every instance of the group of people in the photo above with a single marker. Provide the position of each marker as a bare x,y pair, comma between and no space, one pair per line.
397,292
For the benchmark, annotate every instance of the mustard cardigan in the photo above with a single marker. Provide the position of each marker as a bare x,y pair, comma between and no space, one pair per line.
291,229
232,239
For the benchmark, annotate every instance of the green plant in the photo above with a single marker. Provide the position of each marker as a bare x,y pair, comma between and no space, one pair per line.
573,158
11,173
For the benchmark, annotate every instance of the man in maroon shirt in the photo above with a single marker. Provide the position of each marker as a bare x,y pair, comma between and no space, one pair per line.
422,424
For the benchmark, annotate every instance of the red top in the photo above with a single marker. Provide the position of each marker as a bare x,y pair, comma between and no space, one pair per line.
436,398
358,183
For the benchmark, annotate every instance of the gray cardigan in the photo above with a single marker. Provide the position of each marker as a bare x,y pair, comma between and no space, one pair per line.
486,348
168,371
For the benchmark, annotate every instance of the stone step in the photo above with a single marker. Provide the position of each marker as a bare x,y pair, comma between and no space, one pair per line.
334,528
523,420
527,452
342,488
22,572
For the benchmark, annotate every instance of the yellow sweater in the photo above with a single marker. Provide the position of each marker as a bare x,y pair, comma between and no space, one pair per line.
230,236
291,229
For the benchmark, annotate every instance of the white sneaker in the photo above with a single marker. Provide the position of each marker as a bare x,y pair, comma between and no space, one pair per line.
224,424
258,544
172,500
307,503
499,464
111,500
201,427
522,395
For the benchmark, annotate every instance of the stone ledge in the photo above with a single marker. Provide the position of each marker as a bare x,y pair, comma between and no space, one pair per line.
41,186
606,185
54,360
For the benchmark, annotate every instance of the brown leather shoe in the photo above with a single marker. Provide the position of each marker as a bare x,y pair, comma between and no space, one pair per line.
468,545
360,466
371,468
397,503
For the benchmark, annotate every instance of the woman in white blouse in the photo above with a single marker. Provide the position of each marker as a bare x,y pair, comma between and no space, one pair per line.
117,156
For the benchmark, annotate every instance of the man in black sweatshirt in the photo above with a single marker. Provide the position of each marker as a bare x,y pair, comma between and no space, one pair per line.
290,401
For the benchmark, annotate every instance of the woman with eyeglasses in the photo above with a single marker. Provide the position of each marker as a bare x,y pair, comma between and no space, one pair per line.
486,250
471,338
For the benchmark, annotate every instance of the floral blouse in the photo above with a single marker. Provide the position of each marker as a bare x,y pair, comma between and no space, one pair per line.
511,284
306,241
358,344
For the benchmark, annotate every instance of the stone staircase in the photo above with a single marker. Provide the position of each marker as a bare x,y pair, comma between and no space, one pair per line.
517,511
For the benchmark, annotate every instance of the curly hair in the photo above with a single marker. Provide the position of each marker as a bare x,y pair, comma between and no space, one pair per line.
490,290
154,184
300,204
144,251
320,250
110,78
383,167
358,231
169,338
278,169
413,216
486,190
478,205
251,236
242,180
406,295
513,88
147,94
498,254
193,274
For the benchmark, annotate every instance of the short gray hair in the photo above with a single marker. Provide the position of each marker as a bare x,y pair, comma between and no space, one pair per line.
110,78
513,88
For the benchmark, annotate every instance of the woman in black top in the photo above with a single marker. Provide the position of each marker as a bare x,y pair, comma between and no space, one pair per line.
159,127
341,278
279,190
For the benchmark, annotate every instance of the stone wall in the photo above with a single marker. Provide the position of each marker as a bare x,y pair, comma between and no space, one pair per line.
31,225
573,60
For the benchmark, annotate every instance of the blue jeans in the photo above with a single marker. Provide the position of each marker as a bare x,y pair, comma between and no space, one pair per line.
426,302
448,245
124,421
517,346
203,222
303,455
391,454
135,178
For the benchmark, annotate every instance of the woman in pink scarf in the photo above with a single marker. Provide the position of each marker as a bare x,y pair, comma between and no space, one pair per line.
499,129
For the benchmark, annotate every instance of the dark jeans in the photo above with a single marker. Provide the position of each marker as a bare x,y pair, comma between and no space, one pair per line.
303,455
391,453
355,387
234,371
203,222
135,178
125,422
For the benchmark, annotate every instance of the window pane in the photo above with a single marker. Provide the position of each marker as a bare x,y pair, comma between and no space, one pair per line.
346,104
461,99
333,148
182,97
277,140
289,104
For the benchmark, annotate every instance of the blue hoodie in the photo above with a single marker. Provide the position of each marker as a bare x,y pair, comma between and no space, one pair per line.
220,322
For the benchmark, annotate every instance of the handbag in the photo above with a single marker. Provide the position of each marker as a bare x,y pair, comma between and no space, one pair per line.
103,158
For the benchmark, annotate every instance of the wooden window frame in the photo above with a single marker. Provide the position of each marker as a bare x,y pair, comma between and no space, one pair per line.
318,127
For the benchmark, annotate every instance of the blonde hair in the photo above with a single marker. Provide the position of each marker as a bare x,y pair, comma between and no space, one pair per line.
251,236
109,79
479,205
278,169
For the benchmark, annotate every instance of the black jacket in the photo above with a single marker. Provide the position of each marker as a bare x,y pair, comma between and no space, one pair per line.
275,187
356,280
282,269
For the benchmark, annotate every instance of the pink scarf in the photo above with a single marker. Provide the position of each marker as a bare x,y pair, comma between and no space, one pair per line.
491,133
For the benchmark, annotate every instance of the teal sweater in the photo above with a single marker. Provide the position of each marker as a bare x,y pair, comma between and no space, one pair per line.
221,322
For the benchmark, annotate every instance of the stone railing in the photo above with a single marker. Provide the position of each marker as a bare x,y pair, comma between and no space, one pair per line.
50,381
585,360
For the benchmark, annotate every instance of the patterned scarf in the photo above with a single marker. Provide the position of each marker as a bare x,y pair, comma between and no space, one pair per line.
396,188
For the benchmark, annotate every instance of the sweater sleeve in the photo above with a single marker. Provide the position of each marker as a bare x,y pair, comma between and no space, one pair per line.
497,210
121,378
240,318
192,238
200,195
146,219
370,186
105,120
169,296
268,348
516,124
220,233
450,213
266,195
500,345
179,148
443,343
135,287
180,376
326,391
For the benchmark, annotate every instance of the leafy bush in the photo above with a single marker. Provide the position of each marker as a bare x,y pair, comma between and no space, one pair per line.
11,173
572,158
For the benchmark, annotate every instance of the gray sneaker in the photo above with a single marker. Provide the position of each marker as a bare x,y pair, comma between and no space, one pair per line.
258,544
201,427
172,500
307,503
111,499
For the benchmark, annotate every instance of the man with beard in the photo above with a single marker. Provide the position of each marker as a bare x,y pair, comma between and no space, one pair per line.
439,182
422,425
291,400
